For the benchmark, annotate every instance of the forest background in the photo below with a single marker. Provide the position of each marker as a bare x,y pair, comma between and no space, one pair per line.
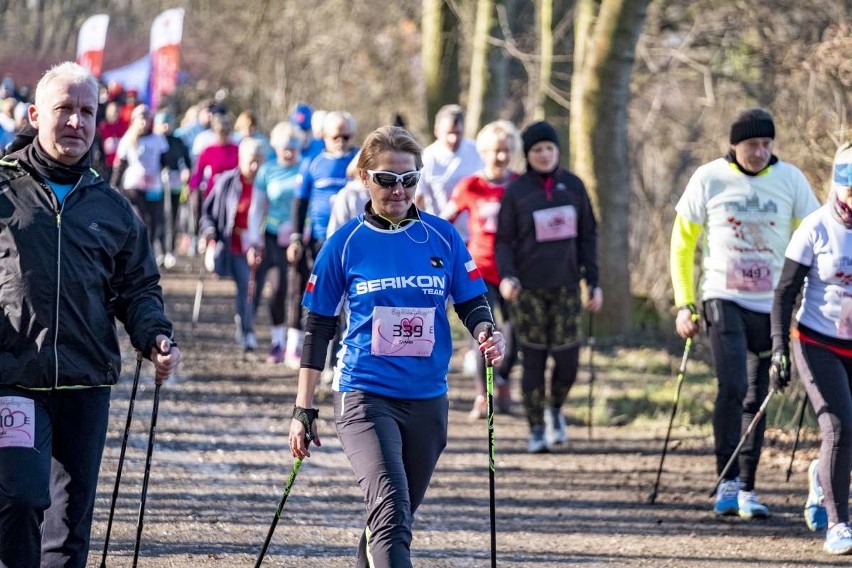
642,91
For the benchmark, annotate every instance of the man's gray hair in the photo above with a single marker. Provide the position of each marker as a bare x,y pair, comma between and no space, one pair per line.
76,74
452,112
336,116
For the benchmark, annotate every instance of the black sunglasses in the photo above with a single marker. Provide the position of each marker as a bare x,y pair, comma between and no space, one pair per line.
344,137
388,180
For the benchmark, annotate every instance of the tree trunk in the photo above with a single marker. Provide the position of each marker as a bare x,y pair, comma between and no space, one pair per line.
478,67
600,97
545,68
439,51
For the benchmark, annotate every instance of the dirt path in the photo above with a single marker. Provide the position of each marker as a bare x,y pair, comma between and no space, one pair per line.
221,460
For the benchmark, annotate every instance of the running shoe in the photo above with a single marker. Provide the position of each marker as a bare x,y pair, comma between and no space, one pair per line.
276,354
554,423
250,342
838,539
750,507
537,443
816,516
169,261
726,498
479,410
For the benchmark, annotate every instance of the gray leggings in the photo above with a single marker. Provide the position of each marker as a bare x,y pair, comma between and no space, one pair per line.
393,446
826,377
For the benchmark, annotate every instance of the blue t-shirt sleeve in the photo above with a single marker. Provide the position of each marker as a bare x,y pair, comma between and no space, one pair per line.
467,281
307,180
327,282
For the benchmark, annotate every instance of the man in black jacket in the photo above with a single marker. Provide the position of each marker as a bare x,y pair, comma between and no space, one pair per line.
73,258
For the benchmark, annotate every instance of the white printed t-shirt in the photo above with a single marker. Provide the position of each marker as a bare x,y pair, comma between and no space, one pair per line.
747,224
825,245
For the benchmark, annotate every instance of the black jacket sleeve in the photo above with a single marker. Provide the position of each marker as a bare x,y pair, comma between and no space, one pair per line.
299,213
507,230
789,285
587,233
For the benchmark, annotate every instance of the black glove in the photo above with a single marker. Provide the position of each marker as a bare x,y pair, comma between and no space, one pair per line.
306,416
779,370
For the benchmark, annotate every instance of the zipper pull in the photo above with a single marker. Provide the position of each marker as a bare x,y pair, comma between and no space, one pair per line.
58,220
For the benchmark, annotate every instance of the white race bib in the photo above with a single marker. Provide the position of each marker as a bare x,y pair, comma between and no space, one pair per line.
17,422
555,224
403,332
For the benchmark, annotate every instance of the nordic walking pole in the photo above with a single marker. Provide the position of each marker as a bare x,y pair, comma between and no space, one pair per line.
145,479
680,374
489,406
287,487
757,416
590,402
199,292
121,455
801,411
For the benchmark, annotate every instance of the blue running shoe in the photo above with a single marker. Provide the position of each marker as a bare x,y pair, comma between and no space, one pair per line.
750,507
537,442
726,498
816,516
838,539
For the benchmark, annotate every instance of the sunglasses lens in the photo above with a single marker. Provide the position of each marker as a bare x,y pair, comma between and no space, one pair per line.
410,180
385,180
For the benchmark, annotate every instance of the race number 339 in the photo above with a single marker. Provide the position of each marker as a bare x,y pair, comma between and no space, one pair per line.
17,422
749,275
403,332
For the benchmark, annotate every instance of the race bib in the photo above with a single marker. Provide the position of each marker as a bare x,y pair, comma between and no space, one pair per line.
844,323
488,211
749,275
403,332
555,224
17,422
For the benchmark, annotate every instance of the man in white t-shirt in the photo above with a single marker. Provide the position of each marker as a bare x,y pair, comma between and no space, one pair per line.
446,161
746,204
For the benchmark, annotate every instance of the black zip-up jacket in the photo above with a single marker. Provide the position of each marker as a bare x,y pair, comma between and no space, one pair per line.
549,263
67,271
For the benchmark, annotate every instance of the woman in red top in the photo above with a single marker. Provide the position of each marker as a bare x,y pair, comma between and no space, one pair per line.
498,144
212,161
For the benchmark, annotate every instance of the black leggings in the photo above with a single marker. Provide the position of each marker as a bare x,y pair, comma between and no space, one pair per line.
153,214
566,361
826,377
274,258
741,345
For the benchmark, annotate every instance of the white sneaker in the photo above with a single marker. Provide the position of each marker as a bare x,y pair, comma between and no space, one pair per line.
537,443
250,343
469,363
169,261
554,427
750,507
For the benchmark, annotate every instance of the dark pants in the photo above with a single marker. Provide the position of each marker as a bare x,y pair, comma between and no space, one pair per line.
393,446
742,346
153,214
274,258
827,378
47,492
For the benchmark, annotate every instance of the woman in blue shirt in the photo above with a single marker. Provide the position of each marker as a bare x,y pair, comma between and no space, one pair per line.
391,271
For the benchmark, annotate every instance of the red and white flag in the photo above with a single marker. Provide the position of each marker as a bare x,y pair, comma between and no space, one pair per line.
472,270
90,43
166,35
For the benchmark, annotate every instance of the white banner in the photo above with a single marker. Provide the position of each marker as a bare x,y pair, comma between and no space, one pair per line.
90,42
166,34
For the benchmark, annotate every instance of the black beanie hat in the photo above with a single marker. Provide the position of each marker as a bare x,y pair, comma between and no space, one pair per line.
752,123
538,132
